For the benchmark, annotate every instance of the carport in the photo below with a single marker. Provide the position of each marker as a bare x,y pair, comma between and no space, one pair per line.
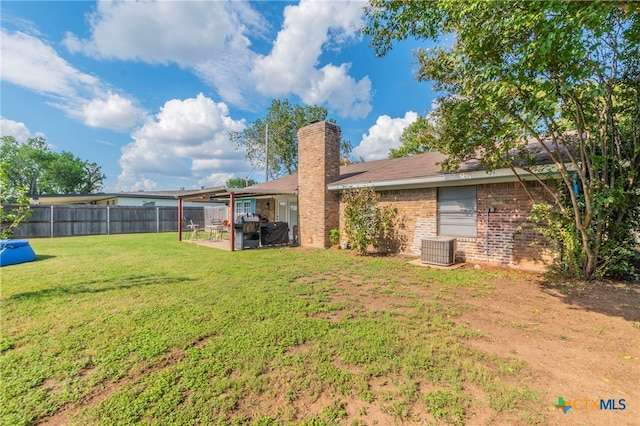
266,192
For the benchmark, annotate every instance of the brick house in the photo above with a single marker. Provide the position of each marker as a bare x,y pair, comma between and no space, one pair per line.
485,212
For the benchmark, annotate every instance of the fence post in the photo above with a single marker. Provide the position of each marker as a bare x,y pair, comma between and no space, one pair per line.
157,219
108,220
51,220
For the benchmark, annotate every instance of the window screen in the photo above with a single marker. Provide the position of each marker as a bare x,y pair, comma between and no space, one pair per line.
243,208
457,211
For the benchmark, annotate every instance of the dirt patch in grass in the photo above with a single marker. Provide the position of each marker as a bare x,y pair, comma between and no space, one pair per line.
68,412
582,341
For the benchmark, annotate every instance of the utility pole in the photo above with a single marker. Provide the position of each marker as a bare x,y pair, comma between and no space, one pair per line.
266,156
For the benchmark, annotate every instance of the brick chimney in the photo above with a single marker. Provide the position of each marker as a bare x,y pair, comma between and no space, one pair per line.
318,166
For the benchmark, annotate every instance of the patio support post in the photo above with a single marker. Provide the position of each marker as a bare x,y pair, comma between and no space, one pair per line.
179,219
232,233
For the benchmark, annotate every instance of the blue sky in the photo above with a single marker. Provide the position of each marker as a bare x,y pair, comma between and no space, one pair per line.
150,90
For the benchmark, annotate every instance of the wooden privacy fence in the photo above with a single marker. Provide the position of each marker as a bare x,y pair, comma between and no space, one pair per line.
70,220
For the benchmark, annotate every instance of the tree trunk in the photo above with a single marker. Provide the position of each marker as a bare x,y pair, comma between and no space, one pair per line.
590,261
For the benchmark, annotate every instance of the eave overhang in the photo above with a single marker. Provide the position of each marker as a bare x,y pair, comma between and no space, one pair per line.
456,179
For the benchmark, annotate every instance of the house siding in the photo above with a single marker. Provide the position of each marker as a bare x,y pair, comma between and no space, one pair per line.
505,237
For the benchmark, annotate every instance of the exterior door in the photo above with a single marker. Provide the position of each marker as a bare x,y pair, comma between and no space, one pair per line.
281,215
293,219
288,212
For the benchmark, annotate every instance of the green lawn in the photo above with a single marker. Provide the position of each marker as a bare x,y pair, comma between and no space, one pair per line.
144,329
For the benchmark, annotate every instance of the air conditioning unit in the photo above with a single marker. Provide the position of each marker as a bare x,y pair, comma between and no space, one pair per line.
438,250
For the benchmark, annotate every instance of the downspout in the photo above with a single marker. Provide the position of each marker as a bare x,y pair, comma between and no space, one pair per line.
487,236
232,230
179,219
489,210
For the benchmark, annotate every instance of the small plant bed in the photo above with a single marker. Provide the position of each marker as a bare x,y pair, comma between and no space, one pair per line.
141,329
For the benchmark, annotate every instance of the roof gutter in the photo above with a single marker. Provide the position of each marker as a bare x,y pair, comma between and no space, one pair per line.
454,179
258,191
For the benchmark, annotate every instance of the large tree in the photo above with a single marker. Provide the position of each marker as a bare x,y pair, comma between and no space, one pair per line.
33,165
417,138
283,119
563,74
239,182
14,204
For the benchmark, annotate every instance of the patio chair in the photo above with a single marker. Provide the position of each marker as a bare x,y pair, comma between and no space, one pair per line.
214,228
185,227
218,227
194,228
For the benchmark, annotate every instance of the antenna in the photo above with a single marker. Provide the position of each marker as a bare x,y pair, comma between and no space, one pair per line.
266,155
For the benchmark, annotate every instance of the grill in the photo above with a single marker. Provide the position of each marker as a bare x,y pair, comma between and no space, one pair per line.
438,251
274,234
247,232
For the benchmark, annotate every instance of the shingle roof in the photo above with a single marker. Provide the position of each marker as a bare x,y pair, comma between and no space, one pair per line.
421,165
393,169
101,196
416,166
284,185
156,194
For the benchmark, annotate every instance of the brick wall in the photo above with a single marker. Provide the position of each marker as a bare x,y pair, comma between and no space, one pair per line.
318,165
416,218
264,211
504,237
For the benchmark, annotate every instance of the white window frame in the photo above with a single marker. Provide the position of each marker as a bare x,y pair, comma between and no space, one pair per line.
242,208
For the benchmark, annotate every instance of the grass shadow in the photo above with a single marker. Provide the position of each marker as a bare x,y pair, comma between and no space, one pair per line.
612,298
40,257
99,286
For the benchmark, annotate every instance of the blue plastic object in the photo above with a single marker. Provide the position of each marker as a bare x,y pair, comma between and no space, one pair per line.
13,252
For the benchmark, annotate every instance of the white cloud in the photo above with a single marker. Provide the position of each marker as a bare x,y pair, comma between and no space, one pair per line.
113,112
291,66
188,139
18,130
207,37
29,62
128,182
383,136
162,32
230,74
215,179
341,92
212,39
33,64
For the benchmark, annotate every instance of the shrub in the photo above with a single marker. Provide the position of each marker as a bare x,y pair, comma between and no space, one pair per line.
334,236
365,222
16,196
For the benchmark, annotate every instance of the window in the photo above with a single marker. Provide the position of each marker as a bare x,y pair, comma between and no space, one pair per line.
458,211
243,208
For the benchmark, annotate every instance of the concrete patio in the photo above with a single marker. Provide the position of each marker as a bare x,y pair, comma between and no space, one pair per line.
217,244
